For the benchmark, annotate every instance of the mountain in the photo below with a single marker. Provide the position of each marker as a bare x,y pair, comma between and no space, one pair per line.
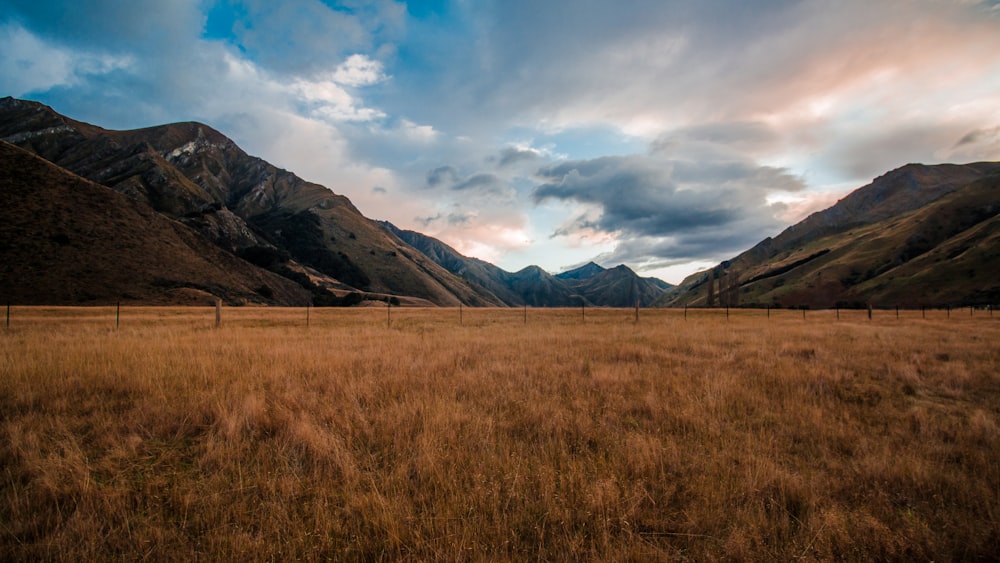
581,273
614,287
918,235
492,281
65,240
193,174
589,284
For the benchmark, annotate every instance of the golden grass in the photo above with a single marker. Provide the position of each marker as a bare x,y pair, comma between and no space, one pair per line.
561,438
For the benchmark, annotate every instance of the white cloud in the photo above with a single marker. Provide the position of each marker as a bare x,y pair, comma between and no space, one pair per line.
359,70
30,65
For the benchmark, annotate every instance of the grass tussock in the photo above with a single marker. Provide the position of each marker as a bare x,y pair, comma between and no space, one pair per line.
559,438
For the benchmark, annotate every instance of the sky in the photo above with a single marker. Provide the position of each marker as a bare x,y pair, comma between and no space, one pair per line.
667,135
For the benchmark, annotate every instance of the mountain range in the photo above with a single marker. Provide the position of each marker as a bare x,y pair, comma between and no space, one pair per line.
179,213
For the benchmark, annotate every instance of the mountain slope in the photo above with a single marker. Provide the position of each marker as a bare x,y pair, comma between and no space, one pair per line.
192,173
66,240
483,277
919,235
584,272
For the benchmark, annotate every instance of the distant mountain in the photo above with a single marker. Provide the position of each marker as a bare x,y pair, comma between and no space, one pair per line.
589,284
67,241
195,175
615,287
918,235
581,273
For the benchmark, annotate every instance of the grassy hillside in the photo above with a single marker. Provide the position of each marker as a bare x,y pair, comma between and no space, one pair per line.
69,241
498,439
942,251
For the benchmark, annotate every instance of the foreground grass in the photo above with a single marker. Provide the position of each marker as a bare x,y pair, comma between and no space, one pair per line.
558,438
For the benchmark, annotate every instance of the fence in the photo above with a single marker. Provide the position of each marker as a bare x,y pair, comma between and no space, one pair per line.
116,316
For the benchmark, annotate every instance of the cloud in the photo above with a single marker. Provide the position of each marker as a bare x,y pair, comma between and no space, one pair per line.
307,36
31,65
656,128
514,155
359,70
442,175
685,207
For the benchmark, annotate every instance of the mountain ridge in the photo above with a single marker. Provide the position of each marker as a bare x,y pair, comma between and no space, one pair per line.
872,247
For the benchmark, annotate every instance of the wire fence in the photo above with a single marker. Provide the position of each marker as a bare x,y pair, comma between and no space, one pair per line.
117,316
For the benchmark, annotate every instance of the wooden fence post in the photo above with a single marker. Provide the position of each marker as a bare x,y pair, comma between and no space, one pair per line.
218,313
307,315
118,311
8,314
636,310
685,312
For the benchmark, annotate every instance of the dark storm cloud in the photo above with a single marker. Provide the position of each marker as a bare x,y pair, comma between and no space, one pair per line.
647,196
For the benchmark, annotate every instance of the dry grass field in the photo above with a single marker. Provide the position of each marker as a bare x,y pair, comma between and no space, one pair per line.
558,438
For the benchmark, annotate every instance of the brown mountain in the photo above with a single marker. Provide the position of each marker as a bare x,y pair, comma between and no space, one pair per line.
67,240
194,174
918,235
613,287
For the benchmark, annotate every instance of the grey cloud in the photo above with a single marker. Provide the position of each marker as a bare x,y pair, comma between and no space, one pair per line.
442,175
648,197
746,136
109,25
460,219
669,209
304,37
482,183
428,220
486,183
512,155
708,245
973,137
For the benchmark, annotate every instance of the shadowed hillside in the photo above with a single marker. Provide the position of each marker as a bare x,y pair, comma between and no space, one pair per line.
919,235
70,241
